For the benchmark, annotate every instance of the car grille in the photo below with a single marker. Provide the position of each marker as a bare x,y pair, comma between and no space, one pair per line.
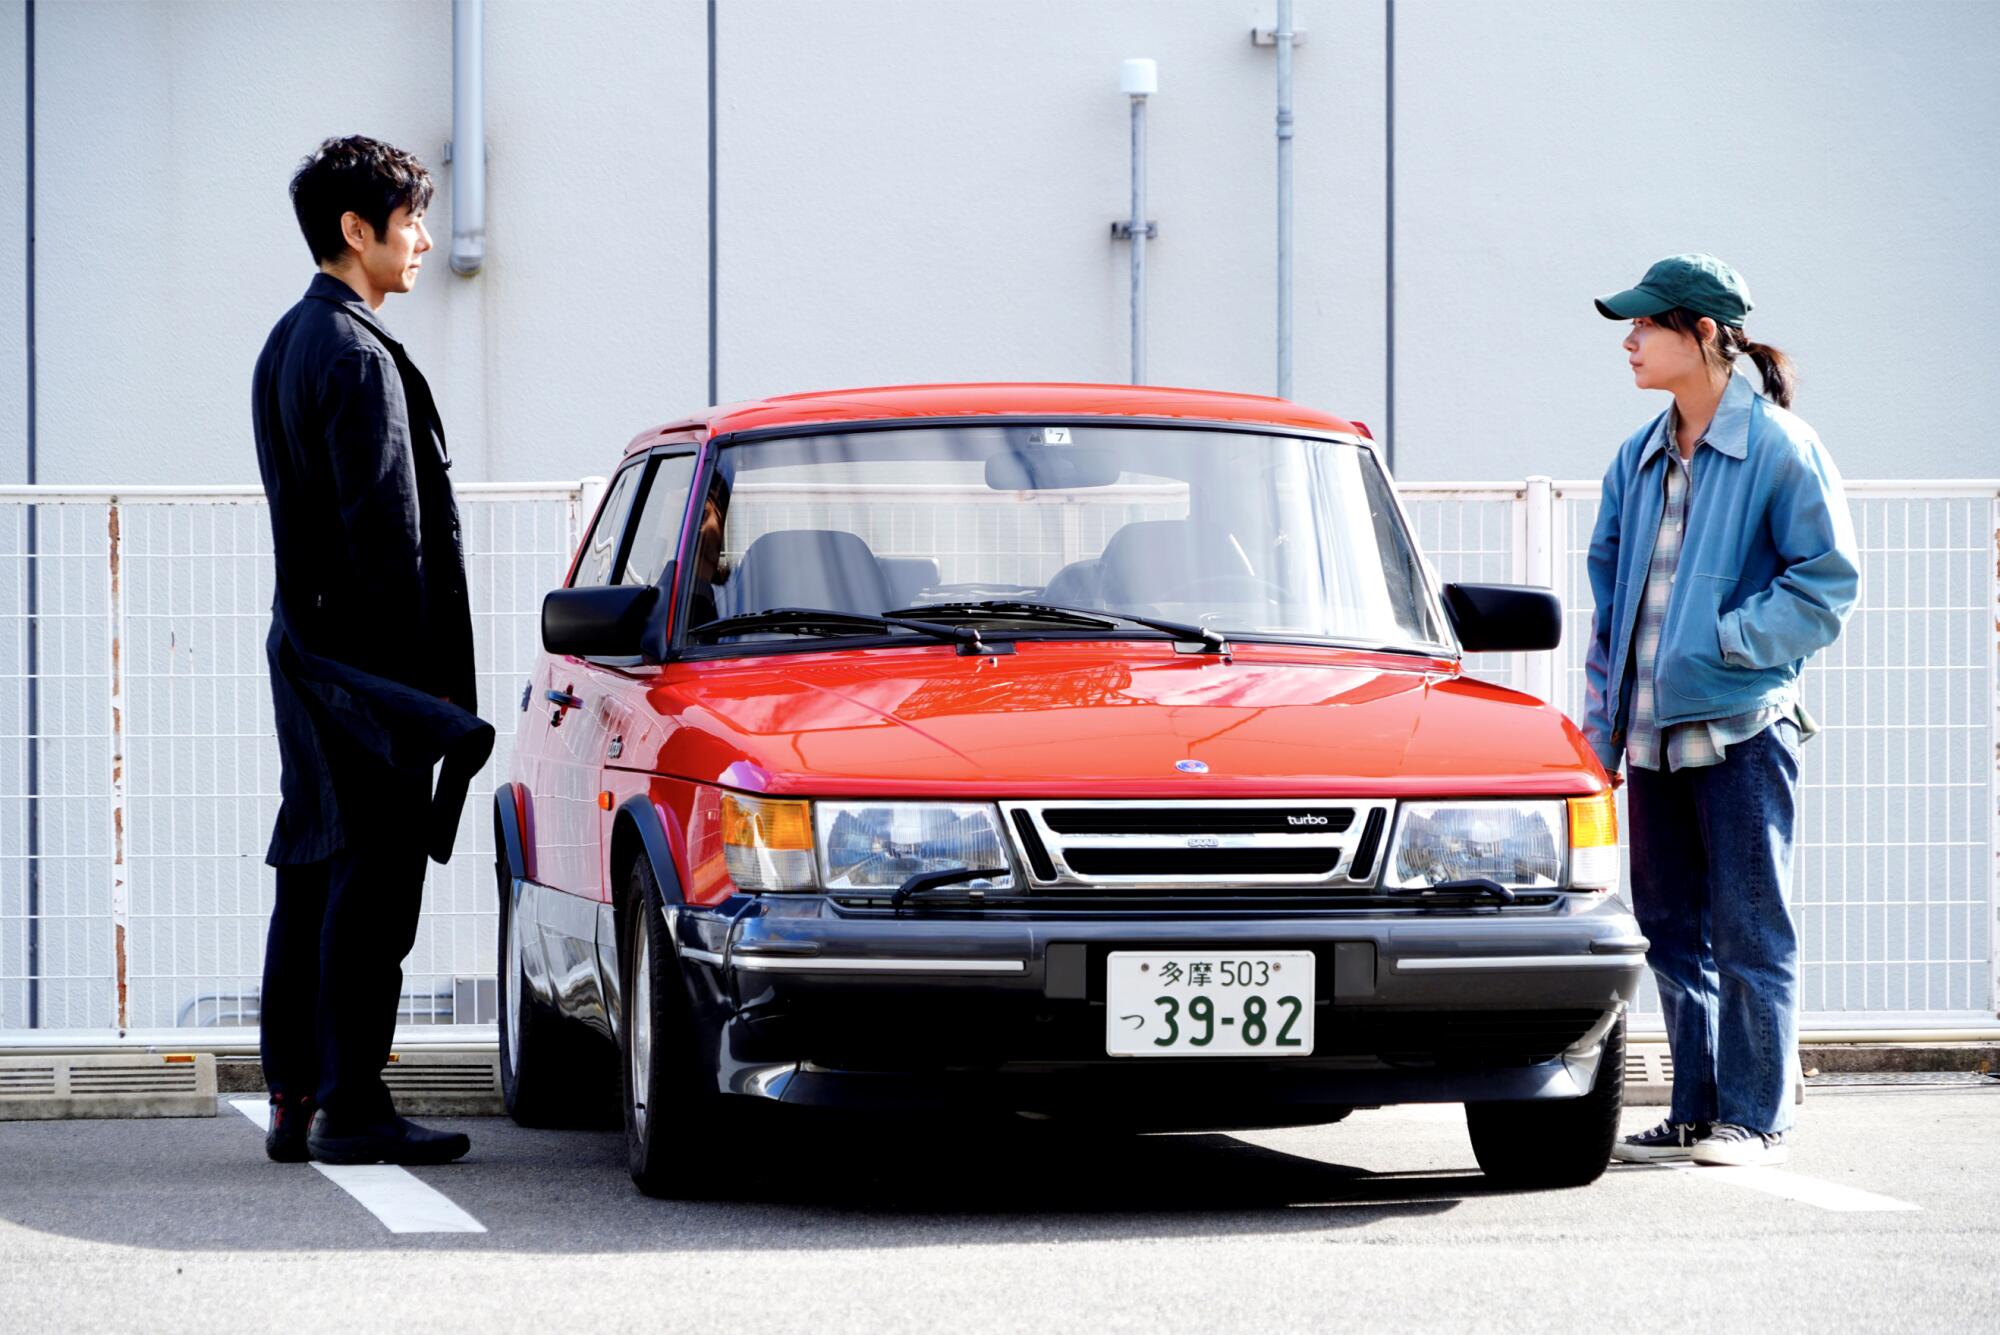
1308,846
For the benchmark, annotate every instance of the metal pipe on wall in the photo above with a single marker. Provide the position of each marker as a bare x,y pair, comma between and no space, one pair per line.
1282,37
32,574
467,152
1139,79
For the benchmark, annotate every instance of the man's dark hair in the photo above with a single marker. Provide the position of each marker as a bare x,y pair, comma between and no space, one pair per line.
355,174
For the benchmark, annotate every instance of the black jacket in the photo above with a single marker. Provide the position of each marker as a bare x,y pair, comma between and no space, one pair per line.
371,632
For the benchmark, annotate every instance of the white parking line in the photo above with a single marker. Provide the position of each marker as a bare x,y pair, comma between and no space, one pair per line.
1796,1187
393,1195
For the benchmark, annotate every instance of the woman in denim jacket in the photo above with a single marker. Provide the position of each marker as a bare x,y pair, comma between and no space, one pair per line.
1723,558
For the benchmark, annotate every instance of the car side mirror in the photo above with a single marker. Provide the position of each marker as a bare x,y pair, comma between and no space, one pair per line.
601,621
1504,618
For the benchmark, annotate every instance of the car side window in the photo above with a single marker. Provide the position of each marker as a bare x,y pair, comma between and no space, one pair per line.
600,550
656,533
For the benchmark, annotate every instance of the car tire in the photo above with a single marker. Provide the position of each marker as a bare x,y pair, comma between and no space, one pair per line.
536,1075
670,1104
1553,1142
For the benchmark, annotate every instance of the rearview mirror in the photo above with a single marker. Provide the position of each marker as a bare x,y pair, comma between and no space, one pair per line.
1051,469
1504,618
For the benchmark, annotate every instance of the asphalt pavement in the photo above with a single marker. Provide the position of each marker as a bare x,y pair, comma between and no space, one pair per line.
1888,1218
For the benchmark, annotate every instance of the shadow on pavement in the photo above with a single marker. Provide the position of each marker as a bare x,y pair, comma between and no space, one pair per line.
205,1185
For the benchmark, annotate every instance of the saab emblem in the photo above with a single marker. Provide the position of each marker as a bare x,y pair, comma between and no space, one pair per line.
1191,766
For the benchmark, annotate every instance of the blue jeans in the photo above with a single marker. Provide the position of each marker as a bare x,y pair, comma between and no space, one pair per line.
1711,871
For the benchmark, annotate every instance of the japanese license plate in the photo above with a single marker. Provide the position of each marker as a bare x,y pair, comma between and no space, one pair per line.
1209,1004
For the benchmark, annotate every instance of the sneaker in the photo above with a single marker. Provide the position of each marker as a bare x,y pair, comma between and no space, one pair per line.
285,1137
1737,1146
1665,1143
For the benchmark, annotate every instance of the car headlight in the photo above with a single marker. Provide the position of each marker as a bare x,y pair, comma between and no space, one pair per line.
875,845
1518,844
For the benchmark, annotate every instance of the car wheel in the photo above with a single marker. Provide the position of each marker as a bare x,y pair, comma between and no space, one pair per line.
535,1076
670,1104
1553,1142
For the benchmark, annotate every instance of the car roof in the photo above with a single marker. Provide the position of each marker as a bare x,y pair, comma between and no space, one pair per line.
915,402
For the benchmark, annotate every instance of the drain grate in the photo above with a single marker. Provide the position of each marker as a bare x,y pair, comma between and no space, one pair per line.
461,1083
1904,1079
1649,1074
139,1084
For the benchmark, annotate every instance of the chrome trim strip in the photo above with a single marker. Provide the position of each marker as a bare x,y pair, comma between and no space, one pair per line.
853,964
1339,843
1474,963
705,956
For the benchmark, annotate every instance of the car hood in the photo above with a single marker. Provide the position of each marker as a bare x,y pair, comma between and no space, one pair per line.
1094,719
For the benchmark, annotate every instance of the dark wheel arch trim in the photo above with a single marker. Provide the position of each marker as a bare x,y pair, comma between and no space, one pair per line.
638,814
507,814
710,997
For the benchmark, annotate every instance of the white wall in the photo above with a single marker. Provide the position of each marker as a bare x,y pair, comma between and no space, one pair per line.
168,133
13,243
1841,155
914,191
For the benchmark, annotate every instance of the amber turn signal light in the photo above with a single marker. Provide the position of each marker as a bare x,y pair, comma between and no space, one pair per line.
1593,821
749,822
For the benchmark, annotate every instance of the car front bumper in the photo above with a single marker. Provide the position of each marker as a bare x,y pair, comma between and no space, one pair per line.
800,1002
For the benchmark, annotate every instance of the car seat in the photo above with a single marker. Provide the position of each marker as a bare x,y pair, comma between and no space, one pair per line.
908,577
1078,584
810,567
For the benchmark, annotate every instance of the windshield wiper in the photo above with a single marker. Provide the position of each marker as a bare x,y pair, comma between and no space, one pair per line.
1476,886
826,621
1016,608
938,880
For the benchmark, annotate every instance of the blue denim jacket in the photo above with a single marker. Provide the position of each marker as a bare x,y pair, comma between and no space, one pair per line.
1767,571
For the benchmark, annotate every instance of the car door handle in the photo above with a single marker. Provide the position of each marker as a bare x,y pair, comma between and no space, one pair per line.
564,699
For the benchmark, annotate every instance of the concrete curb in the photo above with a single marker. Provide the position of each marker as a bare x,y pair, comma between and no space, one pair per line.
456,1084
1856,1058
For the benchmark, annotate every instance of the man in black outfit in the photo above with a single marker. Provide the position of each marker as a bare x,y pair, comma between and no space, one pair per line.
371,661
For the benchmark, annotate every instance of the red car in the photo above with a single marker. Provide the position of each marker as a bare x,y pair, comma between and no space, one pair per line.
1087,752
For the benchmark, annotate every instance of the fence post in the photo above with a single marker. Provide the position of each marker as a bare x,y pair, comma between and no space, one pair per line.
1993,779
120,897
1538,670
589,494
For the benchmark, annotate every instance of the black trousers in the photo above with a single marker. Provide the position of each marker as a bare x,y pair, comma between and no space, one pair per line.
333,963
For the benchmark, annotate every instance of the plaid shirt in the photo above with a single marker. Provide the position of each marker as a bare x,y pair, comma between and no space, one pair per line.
1705,741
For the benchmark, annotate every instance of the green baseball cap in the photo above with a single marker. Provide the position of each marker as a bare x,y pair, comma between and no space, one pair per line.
1699,283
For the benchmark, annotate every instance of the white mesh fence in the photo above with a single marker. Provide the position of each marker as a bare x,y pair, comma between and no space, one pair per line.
138,775
1897,877
138,780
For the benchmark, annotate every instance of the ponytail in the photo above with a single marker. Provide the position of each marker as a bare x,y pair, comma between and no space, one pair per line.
1781,377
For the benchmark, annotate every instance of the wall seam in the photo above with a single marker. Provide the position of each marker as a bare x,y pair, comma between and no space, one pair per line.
1389,233
713,295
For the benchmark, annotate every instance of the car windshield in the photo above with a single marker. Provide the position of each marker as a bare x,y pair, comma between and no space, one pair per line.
1253,536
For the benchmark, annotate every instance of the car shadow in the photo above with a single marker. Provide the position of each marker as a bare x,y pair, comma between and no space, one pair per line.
206,1186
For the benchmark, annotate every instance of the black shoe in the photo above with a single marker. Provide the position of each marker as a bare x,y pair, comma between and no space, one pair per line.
1669,1142
285,1137
390,1140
